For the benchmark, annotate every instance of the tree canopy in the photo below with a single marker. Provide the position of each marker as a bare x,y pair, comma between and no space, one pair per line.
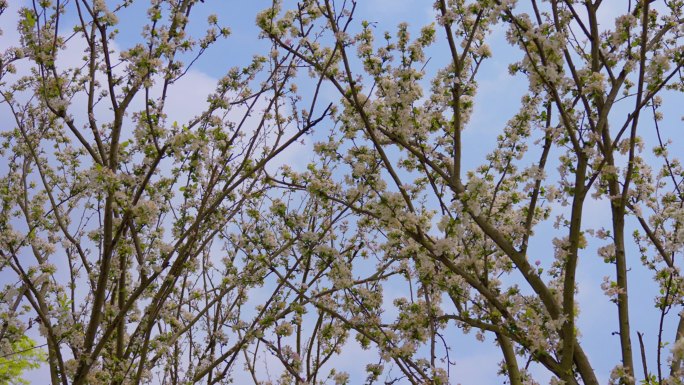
335,210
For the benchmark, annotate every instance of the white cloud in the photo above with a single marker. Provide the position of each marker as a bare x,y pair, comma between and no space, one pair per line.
8,21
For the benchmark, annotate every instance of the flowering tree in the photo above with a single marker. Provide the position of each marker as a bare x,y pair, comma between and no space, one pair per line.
141,249
462,239
130,243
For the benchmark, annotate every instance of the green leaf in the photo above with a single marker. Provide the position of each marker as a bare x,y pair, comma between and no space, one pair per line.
25,356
